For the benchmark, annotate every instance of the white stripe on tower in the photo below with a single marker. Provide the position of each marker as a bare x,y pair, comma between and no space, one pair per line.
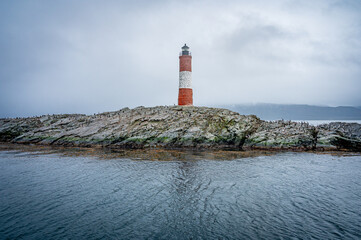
185,79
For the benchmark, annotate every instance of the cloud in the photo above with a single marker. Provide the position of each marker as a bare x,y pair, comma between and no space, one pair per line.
94,56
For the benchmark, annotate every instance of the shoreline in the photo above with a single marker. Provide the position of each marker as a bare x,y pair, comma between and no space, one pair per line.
154,154
16,145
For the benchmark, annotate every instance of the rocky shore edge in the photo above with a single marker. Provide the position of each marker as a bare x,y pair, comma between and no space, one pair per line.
179,127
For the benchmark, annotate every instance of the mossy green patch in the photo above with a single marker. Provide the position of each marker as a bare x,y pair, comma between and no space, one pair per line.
9,134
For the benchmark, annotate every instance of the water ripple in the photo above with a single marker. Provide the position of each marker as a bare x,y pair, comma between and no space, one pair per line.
288,195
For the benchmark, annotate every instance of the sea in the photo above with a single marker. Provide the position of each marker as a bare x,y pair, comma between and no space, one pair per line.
319,122
74,193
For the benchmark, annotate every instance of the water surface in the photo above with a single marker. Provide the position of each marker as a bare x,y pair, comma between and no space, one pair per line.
61,194
319,122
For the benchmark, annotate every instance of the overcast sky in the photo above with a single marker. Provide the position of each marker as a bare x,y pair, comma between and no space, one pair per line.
63,56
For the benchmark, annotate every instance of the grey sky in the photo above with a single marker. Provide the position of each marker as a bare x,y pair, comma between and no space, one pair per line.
94,56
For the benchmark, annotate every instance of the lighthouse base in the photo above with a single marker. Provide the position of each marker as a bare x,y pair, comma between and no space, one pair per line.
185,97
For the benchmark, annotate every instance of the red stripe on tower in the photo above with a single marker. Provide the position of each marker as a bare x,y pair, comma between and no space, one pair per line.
185,96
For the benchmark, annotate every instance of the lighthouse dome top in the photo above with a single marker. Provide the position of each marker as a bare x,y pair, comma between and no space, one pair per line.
185,47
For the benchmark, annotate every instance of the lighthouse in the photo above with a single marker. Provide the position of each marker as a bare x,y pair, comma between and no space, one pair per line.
185,95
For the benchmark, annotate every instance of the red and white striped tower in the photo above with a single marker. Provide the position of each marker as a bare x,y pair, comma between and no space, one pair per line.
185,96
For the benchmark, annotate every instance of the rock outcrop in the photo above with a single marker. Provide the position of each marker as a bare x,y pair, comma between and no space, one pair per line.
341,135
177,127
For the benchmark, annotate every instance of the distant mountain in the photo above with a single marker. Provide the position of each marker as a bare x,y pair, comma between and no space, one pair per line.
297,112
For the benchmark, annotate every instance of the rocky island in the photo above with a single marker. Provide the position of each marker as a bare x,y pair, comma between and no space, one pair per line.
178,127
